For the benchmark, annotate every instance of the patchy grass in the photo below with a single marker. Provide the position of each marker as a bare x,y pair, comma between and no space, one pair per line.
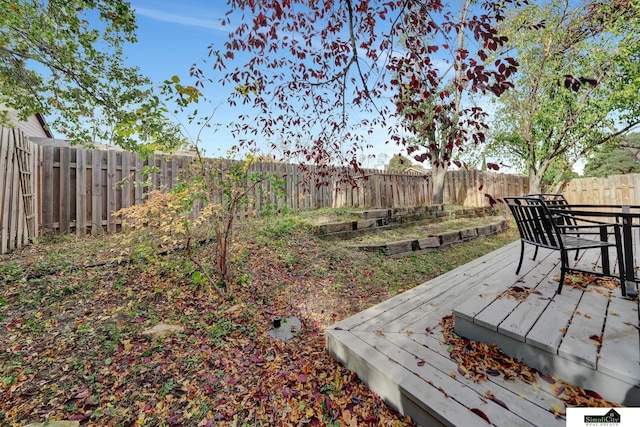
71,321
329,215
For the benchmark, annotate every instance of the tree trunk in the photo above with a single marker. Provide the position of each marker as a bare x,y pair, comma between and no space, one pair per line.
437,175
535,182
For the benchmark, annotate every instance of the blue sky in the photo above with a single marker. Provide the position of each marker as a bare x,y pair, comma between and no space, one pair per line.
171,37
174,35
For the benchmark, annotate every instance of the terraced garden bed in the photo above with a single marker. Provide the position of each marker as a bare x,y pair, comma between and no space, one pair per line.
429,236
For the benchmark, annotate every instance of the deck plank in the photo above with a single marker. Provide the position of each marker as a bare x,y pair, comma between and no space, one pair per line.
422,298
521,320
547,333
539,397
473,307
384,374
407,353
581,341
495,313
442,302
489,277
619,355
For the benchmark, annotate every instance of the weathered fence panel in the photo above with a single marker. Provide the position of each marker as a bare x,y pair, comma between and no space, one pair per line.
18,213
612,190
78,189
53,187
381,189
82,188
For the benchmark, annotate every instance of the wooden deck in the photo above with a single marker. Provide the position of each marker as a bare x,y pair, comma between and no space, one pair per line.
385,344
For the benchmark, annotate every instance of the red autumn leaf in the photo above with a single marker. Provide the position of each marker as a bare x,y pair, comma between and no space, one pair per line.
82,393
593,394
481,414
421,362
594,337
500,402
371,420
79,417
547,378
302,378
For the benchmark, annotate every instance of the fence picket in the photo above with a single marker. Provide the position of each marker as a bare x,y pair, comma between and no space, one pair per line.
64,169
14,220
96,191
81,193
111,190
4,194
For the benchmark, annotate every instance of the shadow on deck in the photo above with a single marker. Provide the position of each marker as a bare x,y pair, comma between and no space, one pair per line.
586,338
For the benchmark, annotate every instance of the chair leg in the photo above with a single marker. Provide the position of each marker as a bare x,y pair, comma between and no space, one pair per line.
521,255
621,264
563,269
535,253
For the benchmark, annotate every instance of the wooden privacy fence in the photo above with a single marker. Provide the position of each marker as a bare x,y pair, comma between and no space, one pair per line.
54,187
612,190
75,189
81,188
381,190
18,212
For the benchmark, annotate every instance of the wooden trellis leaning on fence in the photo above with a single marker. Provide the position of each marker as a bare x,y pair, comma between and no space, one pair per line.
18,197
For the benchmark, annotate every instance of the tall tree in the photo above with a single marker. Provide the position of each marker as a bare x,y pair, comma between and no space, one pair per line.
399,163
322,74
577,86
430,96
618,157
64,59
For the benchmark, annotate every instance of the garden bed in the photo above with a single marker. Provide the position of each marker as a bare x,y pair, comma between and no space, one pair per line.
369,221
430,236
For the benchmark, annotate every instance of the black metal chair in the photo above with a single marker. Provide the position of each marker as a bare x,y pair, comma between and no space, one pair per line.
540,227
557,202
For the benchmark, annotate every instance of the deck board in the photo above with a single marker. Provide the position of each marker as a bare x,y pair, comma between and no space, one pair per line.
582,338
548,331
439,372
619,355
521,320
384,343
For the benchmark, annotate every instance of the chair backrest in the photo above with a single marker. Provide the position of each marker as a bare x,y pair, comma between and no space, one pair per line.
549,196
552,200
557,202
535,223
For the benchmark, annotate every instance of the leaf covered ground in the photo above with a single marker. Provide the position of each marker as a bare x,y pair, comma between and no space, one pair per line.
71,320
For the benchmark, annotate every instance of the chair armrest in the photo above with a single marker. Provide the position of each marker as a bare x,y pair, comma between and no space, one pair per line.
573,217
568,228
